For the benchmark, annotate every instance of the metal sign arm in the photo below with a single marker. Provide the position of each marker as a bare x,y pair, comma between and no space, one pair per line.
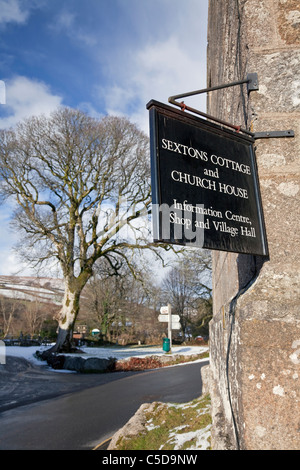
251,79
252,84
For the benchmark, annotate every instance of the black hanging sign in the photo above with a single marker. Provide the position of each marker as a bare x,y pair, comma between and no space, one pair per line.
205,190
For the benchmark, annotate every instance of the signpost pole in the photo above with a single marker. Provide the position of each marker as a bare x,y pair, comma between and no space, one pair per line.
170,325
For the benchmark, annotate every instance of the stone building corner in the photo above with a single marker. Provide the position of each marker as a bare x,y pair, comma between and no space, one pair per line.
255,332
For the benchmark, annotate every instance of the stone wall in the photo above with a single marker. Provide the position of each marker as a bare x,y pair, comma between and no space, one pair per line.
255,331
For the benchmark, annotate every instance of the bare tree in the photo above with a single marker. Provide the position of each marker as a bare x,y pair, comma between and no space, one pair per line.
80,185
103,300
8,309
187,283
33,317
121,300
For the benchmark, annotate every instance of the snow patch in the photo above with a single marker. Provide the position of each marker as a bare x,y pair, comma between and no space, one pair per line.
28,353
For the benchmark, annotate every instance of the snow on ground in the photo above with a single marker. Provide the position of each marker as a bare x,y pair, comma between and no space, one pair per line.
202,436
105,353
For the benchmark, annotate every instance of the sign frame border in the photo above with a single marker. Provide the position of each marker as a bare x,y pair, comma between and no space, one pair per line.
154,107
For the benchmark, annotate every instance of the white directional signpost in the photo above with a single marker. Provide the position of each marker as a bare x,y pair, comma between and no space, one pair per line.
173,320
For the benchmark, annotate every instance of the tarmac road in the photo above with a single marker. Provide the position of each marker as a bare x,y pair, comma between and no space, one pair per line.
45,410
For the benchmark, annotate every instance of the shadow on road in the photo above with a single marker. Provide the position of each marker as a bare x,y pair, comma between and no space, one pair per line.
23,383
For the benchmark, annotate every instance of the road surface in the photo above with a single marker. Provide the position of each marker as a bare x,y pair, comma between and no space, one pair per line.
94,411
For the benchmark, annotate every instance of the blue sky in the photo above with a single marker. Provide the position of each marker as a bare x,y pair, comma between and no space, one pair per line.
101,56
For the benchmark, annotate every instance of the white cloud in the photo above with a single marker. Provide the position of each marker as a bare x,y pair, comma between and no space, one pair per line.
11,12
2,92
25,98
170,59
9,265
64,21
68,23
136,72
155,72
167,69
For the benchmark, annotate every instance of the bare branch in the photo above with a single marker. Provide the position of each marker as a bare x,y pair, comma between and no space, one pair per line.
82,187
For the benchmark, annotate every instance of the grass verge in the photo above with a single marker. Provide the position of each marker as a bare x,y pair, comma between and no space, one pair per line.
173,427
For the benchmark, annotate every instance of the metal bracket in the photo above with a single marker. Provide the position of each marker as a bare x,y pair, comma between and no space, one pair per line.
252,84
274,134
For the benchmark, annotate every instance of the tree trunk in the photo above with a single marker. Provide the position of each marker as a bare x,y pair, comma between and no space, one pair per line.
66,320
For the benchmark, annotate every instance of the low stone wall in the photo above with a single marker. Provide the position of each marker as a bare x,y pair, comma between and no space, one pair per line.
78,363
94,364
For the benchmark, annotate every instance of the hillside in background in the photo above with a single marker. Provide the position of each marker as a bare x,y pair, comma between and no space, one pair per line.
42,289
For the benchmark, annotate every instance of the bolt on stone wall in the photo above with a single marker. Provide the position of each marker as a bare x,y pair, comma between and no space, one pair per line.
255,331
